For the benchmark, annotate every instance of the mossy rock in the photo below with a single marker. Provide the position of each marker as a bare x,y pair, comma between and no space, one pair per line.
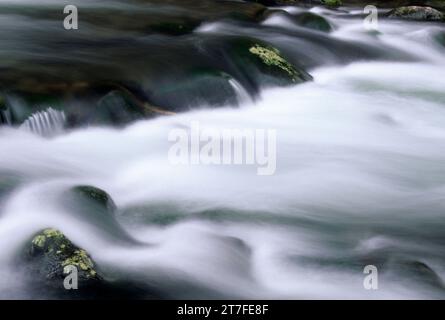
332,3
51,251
313,21
418,13
256,64
437,4
271,61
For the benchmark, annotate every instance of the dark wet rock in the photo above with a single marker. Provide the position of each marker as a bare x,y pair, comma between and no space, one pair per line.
111,104
98,208
17,107
332,3
304,19
253,63
292,2
270,61
131,43
185,26
425,273
266,2
116,108
437,4
50,252
416,13
95,196
312,21
419,272
197,87
5,116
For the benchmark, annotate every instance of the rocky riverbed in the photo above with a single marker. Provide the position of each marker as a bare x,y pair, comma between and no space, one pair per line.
85,181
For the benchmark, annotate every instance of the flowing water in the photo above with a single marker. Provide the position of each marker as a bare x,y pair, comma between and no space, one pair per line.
360,175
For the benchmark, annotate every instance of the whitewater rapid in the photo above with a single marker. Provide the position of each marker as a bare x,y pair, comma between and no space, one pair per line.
360,180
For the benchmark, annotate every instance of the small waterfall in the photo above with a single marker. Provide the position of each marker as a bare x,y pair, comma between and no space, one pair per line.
242,95
5,117
47,123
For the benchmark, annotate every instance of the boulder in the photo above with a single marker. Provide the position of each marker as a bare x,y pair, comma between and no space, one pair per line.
246,63
271,62
116,108
51,251
46,257
195,87
98,208
312,21
95,197
332,3
417,13
437,4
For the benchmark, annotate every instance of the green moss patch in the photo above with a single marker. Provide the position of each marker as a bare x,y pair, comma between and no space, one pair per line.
51,251
272,58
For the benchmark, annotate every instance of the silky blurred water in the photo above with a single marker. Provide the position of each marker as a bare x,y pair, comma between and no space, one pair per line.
360,180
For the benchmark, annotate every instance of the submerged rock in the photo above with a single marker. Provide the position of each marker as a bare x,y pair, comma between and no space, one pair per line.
440,38
95,196
8,183
418,272
50,252
115,108
416,13
303,19
313,21
197,87
98,208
